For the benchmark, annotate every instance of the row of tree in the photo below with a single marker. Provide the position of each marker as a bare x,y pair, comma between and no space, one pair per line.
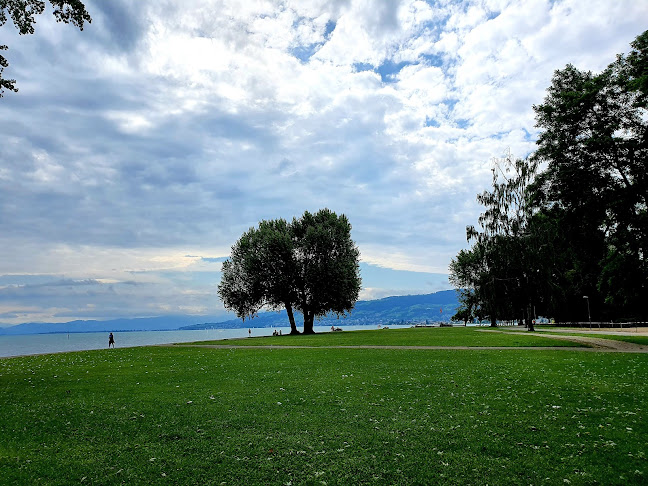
310,265
571,220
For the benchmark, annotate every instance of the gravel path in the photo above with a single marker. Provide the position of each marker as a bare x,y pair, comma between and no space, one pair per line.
599,344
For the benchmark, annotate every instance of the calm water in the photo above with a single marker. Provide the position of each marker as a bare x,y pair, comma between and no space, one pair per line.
57,343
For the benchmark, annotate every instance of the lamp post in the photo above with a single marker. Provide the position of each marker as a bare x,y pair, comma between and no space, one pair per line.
589,316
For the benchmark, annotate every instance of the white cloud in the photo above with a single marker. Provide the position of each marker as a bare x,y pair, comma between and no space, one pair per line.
166,129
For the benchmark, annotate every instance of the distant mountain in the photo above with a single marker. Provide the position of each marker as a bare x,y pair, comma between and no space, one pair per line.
165,323
408,309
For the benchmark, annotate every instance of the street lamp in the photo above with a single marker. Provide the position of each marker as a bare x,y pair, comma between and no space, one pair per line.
589,316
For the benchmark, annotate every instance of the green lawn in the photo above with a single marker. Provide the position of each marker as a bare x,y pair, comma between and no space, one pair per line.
175,415
421,336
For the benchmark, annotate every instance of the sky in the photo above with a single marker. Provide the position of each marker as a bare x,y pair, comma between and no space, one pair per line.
137,151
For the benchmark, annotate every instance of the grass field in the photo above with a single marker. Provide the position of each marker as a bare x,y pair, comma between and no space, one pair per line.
175,415
421,336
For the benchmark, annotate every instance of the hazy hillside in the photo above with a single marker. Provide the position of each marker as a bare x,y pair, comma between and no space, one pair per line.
437,307
390,310
165,323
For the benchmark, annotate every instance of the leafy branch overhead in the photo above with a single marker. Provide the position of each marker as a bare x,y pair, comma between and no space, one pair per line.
23,15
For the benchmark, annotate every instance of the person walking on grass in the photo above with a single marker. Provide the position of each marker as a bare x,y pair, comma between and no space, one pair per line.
111,340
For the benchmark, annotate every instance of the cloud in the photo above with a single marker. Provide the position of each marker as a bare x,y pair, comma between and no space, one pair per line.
167,129
379,282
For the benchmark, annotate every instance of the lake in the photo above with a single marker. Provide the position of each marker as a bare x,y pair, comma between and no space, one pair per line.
58,343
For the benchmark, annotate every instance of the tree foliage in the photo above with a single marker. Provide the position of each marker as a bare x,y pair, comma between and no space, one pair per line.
23,15
495,272
261,271
594,141
469,274
581,226
310,265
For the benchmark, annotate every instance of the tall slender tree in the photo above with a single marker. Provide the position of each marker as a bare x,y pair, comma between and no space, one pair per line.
500,275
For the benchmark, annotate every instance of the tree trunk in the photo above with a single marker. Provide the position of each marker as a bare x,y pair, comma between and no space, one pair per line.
308,322
291,318
530,323
493,317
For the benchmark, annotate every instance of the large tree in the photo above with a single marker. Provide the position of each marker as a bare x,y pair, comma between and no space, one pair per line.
261,272
580,228
23,12
310,265
327,263
594,144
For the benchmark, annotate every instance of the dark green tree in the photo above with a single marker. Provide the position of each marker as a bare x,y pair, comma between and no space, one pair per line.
327,262
23,15
261,272
580,227
469,274
594,143
310,265
498,270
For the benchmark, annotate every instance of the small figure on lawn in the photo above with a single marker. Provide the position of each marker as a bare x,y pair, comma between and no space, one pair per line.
111,340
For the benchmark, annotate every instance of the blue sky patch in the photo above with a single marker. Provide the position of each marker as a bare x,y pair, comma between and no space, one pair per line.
389,69
359,67
330,27
304,53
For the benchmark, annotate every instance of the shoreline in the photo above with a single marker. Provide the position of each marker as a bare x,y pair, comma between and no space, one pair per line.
592,339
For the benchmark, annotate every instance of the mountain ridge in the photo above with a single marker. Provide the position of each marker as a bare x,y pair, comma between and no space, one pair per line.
418,308
404,309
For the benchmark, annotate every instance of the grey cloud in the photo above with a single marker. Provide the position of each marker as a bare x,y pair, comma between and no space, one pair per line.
147,181
120,23
68,283
382,16
49,287
201,168
69,298
20,280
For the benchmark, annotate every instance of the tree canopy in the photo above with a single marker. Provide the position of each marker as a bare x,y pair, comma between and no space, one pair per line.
23,15
580,227
310,265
